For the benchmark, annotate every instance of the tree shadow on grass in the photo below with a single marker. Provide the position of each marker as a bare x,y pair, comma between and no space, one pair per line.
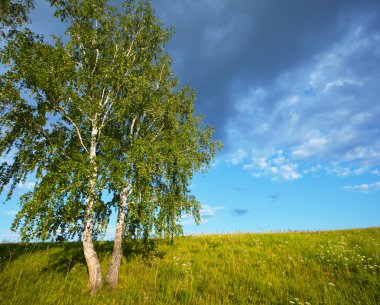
72,253
10,252
62,257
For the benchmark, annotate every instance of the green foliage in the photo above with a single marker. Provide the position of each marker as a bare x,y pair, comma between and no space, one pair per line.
14,13
97,111
339,267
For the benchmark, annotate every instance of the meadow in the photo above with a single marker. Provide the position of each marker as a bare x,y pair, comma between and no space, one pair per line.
335,267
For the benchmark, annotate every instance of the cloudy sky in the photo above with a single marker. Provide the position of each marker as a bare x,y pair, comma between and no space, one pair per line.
293,90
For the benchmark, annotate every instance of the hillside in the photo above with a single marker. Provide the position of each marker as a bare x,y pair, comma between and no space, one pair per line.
337,267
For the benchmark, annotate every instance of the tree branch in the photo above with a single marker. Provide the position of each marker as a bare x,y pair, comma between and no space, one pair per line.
64,114
132,125
96,61
158,132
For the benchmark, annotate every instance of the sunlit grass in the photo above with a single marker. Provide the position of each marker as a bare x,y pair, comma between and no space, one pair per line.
339,267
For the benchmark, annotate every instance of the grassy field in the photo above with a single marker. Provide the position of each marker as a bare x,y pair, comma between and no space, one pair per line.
338,267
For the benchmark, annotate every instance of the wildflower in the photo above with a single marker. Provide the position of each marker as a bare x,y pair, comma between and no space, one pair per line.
291,302
331,284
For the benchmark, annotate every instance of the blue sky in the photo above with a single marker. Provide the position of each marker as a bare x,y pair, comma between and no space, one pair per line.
292,89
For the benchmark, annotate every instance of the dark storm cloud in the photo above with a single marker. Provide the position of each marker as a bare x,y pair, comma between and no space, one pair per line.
224,46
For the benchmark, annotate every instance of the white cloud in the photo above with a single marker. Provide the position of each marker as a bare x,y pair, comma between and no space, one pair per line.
262,163
215,162
28,186
363,188
11,213
289,172
341,83
276,166
313,170
367,155
208,211
345,171
237,157
317,142
312,147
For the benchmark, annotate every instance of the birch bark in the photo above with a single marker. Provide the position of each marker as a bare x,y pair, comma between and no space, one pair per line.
95,281
117,253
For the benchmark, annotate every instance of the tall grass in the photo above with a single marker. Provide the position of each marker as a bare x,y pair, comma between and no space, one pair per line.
338,267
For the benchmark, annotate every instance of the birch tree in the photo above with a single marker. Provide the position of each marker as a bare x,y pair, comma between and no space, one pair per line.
166,145
99,110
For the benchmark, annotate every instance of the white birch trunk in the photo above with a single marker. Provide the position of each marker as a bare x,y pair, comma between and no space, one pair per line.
95,281
117,253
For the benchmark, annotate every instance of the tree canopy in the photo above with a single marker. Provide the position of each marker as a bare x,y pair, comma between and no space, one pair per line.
99,110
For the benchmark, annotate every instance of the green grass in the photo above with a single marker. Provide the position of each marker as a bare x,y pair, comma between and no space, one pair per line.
337,267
